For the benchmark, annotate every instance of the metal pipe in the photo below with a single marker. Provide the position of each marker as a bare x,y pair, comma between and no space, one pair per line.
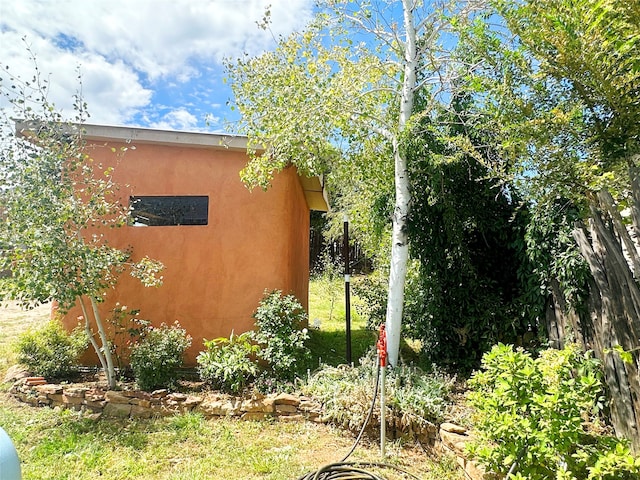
347,289
383,419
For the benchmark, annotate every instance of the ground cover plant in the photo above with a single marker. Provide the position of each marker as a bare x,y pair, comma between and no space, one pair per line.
414,397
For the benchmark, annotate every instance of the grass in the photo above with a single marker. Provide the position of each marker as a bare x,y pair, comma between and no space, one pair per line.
327,309
56,444
13,321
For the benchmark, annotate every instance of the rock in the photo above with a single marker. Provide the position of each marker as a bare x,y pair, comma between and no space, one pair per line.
219,407
49,389
15,373
255,406
141,412
77,392
115,397
117,410
453,441
144,403
192,401
95,405
177,397
453,428
159,393
287,399
94,417
69,400
286,408
33,381
94,395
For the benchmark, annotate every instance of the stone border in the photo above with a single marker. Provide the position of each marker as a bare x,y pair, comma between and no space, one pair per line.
139,404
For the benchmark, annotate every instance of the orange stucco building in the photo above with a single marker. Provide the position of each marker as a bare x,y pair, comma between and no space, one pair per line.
221,244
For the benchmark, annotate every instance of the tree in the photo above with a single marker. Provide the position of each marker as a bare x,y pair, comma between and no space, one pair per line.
341,91
57,207
468,235
561,86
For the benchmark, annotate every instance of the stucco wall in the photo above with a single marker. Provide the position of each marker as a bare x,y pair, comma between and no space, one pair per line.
214,275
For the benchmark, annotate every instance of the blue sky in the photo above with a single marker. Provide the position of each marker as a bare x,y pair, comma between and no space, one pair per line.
150,63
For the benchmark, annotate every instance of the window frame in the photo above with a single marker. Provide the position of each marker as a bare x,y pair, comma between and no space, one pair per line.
169,210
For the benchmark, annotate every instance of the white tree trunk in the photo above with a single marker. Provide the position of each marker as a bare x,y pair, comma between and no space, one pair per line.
104,352
90,335
400,243
398,270
106,346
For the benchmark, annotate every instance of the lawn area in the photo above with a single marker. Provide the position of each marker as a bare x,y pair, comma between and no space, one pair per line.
327,309
56,444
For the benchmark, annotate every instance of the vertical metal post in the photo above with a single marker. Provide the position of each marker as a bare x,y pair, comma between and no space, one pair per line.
383,413
381,346
347,282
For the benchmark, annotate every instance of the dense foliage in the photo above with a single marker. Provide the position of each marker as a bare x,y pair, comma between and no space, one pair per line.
539,418
414,397
467,286
271,357
558,88
467,233
228,364
50,351
157,356
280,331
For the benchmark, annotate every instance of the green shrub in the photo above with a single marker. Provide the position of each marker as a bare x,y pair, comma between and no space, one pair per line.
281,336
50,351
414,397
271,356
126,330
542,415
157,356
229,364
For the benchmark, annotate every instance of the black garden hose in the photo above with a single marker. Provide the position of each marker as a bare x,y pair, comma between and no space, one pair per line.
351,471
344,470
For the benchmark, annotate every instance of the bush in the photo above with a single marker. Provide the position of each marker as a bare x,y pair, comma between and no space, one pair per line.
271,355
126,329
157,356
50,351
543,416
414,397
281,336
229,364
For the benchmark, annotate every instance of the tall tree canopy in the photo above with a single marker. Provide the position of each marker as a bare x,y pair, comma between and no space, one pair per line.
560,86
341,91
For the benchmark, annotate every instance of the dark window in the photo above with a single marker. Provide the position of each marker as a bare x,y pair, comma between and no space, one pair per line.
163,211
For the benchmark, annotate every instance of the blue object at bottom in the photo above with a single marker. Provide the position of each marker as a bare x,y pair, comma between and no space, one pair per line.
9,461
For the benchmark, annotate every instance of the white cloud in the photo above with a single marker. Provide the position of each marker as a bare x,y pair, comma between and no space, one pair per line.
127,49
179,119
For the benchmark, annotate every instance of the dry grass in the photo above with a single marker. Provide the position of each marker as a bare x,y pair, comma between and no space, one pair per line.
13,321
